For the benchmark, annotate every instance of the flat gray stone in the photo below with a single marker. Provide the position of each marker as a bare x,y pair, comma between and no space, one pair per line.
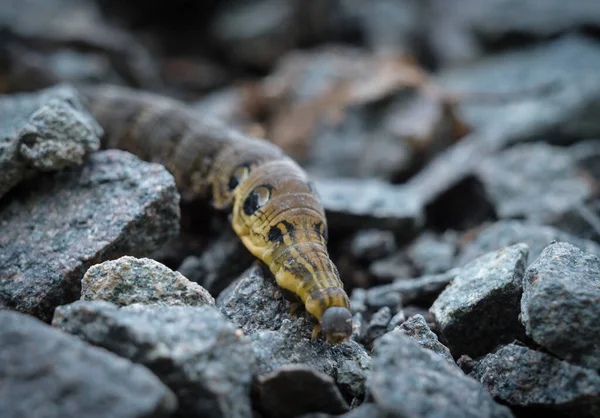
535,182
43,131
480,308
561,304
403,292
195,351
496,19
62,223
552,91
509,232
520,376
411,381
46,373
130,280
360,204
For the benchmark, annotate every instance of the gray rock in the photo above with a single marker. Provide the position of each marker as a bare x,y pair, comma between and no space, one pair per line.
480,309
372,244
358,300
520,376
359,204
43,131
194,350
416,327
377,325
535,182
130,280
366,410
358,326
362,145
396,320
550,91
257,305
386,24
397,266
508,232
406,291
63,223
433,254
587,156
80,24
412,381
256,32
496,19
293,390
223,261
560,307
47,373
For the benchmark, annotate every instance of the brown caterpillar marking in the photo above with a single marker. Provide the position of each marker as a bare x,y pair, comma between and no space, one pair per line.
275,210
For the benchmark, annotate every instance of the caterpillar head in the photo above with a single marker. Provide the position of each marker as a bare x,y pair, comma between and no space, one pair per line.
336,324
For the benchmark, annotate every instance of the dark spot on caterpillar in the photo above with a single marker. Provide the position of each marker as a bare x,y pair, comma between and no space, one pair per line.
322,230
298,269
275,235
239,174
257,198
290,229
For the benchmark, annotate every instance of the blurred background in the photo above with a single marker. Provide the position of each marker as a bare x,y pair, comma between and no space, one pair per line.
416,93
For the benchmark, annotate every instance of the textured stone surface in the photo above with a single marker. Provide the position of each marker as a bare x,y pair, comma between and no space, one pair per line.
406,291
377,326
508,232
43,131
256,304
293,390
480,309
416,327
130,280
47,373
520,376
353,203
194,350
561,304
65,222
409,380
219,265
535,182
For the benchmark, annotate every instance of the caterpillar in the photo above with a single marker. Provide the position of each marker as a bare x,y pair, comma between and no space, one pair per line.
274,208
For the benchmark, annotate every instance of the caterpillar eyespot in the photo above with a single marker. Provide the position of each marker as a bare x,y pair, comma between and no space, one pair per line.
212,161
239,175
257,199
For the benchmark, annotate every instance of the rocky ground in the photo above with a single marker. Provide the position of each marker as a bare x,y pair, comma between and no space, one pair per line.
455,145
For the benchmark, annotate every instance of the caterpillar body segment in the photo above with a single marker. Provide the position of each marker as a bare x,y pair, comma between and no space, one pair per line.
275,210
